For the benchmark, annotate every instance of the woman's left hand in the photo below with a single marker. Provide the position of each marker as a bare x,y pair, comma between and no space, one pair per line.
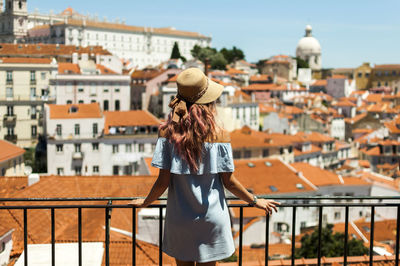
267,205
139,203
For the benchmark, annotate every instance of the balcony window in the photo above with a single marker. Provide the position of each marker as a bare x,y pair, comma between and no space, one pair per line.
115,148
95,128
77,129
337,215
33,112
60,171
59,147
9,76
115,170
128,147
9,92
141,147
10,110
247,154
43,75
34,131
78,170
105,105
59,130
78,147
117,105
95,146
33,75
96,169
33,92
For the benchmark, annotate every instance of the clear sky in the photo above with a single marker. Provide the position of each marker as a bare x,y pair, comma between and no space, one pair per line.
350,32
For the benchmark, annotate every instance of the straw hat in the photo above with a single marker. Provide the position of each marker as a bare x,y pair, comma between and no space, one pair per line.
195,87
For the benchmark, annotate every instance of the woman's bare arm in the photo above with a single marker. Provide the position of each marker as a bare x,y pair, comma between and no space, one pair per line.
156,191
237,189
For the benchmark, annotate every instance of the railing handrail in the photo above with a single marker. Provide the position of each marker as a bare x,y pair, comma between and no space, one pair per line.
228,198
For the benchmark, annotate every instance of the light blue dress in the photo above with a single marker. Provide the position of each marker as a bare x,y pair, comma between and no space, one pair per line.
197,223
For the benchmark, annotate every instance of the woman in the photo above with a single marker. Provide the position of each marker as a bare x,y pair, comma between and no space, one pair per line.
195,160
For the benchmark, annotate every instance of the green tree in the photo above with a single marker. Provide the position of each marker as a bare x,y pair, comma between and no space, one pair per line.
332,245
176,54
218,61
301,63
232,55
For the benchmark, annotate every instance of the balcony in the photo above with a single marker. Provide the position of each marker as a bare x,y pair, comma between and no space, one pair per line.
9,120
33,82
9,81
11,138
24,206
77,156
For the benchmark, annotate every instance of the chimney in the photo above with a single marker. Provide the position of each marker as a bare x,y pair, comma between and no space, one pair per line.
33,179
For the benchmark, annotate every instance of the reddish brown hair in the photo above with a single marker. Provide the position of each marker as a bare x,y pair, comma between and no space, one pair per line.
191,132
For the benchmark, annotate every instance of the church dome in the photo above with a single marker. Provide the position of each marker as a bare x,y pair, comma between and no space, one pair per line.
308,44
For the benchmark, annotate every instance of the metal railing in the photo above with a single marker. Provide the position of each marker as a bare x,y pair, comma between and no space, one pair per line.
287,202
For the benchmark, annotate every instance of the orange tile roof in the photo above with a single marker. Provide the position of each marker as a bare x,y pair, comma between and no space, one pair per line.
260,77
9,185
123,27
387,166
355,119
248,138
388,66
320,82
105,70
68,68
315,137
257,176
335,261
129,118
264,87
234,71
18,50
338,77
24,60
380,179
63,111
316,175
312,150
9,151
374,97
345,103
264,108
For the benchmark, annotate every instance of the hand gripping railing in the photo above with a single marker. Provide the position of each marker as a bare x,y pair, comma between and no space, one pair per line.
288,202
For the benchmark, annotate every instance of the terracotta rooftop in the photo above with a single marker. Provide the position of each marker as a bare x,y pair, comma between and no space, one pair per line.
355,119
38,50
9,151
24,60
74,111
316,175
146,74
129,118
260,77
320,82
247,138
68,68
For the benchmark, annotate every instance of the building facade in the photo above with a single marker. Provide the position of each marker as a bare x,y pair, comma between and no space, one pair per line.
26,89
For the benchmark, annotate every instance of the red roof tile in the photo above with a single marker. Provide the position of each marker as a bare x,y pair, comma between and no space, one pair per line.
9,151
73,111
129,118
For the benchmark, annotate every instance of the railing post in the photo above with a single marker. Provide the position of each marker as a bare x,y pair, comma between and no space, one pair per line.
346,234
266,238
133,235
107,232
25,237
319,235
160,231
80,236
293,234
240,236
371,237
397,236
53,245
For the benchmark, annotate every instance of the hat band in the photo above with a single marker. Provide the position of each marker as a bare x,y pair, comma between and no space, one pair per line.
196,97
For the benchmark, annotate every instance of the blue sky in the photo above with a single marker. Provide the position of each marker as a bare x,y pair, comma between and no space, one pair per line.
350,32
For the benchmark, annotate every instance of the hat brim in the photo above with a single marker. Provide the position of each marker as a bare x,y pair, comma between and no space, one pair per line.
212,93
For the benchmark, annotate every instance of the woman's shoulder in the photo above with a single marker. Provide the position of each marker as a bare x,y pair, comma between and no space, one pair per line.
221,136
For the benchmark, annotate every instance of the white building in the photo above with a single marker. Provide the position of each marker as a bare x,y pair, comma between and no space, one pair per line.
309,49
87,82
82,140
142,46
338,127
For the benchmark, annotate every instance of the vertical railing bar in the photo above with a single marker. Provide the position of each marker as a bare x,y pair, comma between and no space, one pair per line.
319,235
160,232
240,236
25,237
53,243
346,234
371,237
133,235
397,236
266,238
107,232
293,233
80,236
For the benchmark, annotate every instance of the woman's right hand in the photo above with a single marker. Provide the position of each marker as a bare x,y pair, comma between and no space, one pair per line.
267,205
139,203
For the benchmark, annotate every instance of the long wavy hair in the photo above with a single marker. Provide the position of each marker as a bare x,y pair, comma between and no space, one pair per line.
191,132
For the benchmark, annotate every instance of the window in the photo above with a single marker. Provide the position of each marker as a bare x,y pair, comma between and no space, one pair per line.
117,90
105,105
69,102
77,129
105,90
141,147
115,170
9,76
9,92
337,215
95,146
265,153
77,147
60,171
247,154
115,148
80,101
117,107
34,131
128,147
81,89
59,147
33,112
33,75
360,74
43,75
95,169
59,130
78,170
303,225
95,130
10,110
